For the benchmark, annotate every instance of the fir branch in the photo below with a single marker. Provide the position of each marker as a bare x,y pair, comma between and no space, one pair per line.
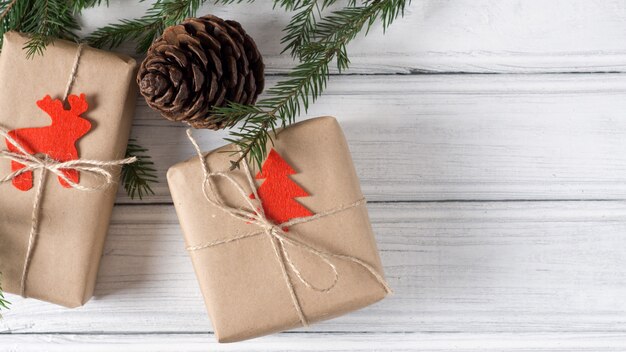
327,41
315,39
138,176
79,5
142,30
6,8
146,29
299,31
4,304
48,20
45,20
12,13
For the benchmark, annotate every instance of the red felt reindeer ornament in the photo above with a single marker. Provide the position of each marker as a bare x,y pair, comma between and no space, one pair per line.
278,191
57,141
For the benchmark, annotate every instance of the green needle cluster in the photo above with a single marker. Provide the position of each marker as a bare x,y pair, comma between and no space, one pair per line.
317,36
4,304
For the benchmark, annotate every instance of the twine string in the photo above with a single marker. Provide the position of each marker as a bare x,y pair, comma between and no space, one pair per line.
70,81
254,214
34,229
34,162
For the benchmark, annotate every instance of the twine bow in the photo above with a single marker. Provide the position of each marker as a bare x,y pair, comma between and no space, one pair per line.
255,215
33,162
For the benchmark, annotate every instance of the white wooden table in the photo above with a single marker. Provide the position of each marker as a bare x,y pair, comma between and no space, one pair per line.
490,138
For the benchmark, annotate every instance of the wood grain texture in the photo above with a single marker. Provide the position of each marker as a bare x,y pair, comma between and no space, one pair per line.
288,342
459,137
469,268
487,190
450,35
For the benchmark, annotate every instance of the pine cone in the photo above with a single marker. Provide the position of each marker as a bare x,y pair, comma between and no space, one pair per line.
200,64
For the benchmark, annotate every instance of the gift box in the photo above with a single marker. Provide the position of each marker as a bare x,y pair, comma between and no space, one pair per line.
281,247
64,255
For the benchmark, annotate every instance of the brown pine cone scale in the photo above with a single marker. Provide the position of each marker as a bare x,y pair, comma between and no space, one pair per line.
200,64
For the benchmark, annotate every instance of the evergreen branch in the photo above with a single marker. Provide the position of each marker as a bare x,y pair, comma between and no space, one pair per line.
79,5
13,14
4,304
48,20
7,9
327,42
146,29
142,30
138,176
299,32
312,37
307,80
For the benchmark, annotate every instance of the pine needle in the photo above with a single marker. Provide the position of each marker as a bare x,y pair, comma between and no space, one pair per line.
7,8
138,176
314,38
4,304
46,20
316,41
146,29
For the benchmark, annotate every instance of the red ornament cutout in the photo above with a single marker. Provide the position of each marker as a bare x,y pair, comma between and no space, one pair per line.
278,191
58,140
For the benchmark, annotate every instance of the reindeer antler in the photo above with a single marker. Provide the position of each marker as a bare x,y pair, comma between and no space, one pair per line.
53,107
78,104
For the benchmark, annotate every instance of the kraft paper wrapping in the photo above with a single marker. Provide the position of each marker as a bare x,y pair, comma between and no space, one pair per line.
73,223
242,283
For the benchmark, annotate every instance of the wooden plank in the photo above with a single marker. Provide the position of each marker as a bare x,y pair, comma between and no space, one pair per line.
439,342
438,137
450,36
472,268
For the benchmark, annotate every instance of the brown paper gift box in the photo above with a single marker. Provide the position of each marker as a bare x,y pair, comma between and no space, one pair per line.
73,223
242,282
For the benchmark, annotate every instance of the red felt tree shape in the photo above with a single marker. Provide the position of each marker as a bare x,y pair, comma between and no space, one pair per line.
57,141
278,191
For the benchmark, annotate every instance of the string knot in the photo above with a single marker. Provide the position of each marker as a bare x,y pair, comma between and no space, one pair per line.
272,229
33,162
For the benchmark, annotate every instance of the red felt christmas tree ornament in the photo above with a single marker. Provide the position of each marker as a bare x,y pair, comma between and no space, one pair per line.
277,192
